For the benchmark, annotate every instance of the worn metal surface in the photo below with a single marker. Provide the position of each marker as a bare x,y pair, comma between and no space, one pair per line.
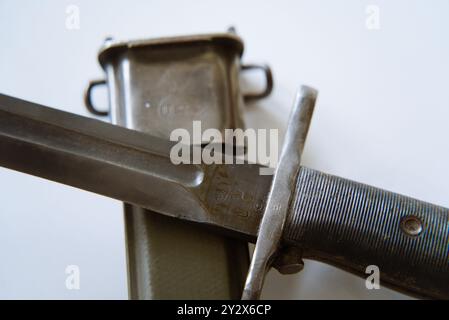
157,86
130,166
331,219
281,193
160,85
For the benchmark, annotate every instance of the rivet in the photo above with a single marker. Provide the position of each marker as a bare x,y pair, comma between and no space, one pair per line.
411,226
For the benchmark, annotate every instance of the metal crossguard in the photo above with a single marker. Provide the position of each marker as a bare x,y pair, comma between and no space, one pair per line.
279,198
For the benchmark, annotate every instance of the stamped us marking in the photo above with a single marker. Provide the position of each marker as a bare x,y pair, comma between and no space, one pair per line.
236,191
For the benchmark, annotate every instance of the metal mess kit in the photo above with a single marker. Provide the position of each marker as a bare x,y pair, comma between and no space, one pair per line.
188,225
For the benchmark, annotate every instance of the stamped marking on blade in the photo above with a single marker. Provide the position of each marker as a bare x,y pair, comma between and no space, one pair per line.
235,196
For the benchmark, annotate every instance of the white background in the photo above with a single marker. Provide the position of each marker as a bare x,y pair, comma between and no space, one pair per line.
381,118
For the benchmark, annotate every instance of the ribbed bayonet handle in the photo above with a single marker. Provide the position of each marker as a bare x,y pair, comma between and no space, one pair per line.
353,226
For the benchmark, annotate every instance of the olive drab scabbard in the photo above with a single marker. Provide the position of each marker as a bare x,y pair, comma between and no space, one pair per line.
156,86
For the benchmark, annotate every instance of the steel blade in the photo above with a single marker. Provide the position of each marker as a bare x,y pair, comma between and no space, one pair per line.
129,166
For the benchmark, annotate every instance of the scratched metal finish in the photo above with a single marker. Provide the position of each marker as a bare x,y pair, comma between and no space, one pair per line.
352,225
130,166
157,86
235,197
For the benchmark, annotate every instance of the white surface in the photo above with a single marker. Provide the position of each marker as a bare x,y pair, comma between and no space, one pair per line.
381,118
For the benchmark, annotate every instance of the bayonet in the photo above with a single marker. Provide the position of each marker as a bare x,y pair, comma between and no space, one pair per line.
297,213
128,165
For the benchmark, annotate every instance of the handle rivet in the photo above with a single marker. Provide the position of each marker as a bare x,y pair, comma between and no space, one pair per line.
411,225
